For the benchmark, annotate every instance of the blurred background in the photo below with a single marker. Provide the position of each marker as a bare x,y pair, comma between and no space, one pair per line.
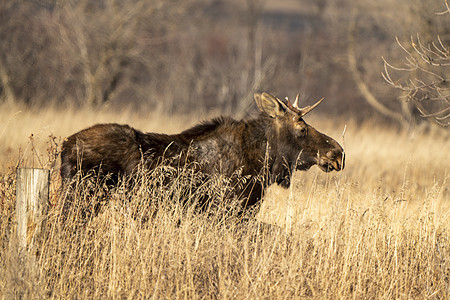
385,60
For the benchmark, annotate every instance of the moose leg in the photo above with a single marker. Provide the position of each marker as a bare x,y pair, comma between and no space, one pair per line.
252,195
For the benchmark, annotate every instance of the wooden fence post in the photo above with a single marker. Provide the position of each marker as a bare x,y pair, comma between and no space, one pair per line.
32,191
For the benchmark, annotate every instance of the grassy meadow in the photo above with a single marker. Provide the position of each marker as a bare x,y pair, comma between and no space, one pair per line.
377,230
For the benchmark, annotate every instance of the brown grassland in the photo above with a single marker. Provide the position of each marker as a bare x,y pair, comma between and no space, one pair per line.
377,230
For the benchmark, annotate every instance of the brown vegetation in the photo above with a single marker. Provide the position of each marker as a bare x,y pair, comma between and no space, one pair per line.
379,229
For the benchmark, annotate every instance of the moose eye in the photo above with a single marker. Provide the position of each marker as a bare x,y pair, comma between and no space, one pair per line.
301,127
302,131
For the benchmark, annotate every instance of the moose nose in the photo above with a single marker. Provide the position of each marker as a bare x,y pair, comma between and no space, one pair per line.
336,160
339,162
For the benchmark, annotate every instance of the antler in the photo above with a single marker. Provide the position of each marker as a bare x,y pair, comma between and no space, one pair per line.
300,111
296,101
309,108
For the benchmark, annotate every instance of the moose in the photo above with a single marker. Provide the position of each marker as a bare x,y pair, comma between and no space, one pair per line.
275,143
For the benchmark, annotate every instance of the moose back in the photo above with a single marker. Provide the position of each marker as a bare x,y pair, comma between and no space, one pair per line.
276,143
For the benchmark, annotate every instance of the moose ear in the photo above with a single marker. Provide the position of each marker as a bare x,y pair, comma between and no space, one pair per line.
270,105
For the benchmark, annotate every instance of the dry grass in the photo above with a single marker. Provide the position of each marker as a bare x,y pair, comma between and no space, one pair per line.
379,229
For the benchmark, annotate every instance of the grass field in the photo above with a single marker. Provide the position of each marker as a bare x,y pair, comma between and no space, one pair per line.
377,230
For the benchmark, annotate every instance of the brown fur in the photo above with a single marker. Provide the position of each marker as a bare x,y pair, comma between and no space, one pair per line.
275,143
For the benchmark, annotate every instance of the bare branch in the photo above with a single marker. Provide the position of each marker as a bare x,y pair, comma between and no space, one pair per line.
427,84
445,11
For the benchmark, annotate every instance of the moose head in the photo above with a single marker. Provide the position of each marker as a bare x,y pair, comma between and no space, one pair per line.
293,143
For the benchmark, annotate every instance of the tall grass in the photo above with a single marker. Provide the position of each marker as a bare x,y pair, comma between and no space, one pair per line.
379,229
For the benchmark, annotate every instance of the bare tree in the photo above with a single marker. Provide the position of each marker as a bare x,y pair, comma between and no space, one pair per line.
203,54
84,52
109,38
427,72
